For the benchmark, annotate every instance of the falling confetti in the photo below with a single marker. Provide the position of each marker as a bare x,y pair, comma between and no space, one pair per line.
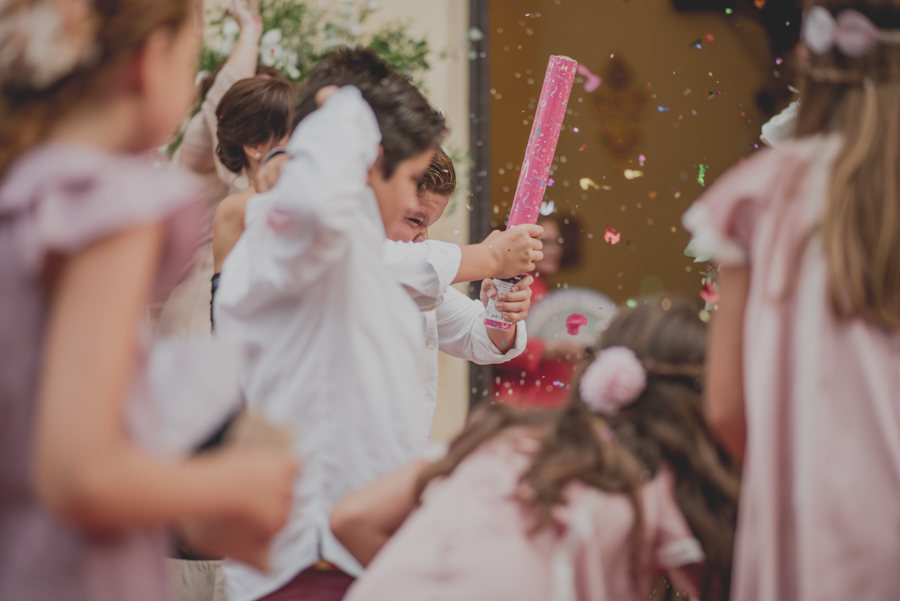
612,236
710,38
641,160
550,182
728,11
591,81
708,293
558,384
662,109
586,182
633,174
701,174
575,322
548,207
583,146
759,4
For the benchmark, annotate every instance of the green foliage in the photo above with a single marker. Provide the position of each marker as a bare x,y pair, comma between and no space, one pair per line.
297,35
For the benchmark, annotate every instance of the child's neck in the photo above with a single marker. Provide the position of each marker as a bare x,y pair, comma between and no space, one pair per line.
107,126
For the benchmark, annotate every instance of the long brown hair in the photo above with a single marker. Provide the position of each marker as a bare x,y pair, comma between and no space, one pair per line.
663,426
859,99
254,110
28,114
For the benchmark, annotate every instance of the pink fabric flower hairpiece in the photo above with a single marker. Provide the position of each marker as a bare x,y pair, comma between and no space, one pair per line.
615,379
851,32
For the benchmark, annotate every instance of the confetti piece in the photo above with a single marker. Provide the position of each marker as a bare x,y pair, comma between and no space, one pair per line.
662,109
642,159
557,383
612,236
591,81
550,182
708,293
701,174
710,38
631,303
548,207
759,4
583,146
778,61
586,182
633,174
574,323
651,195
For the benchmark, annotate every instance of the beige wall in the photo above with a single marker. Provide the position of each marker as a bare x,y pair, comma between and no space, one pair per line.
445,24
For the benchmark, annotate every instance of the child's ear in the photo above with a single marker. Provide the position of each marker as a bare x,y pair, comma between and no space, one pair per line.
377,169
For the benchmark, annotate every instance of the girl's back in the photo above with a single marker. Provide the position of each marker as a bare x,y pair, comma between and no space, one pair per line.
823,450
471,538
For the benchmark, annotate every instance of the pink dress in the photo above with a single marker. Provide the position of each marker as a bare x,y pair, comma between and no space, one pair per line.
59,199
820,508
470,539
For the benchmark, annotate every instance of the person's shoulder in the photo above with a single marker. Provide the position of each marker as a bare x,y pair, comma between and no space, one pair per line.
232,207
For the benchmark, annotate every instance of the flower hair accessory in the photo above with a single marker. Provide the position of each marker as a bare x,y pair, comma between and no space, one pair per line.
41,42
851,32
615,378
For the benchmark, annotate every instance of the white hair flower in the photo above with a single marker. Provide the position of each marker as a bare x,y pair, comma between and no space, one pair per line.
42,42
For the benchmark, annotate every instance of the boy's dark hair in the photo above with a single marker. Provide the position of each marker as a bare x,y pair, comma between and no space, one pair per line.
440,178
409,126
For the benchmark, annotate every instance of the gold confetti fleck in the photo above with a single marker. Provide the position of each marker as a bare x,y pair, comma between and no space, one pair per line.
586,182
633,173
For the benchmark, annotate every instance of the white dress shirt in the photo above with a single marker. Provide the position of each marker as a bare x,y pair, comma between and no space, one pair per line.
453,322
330,338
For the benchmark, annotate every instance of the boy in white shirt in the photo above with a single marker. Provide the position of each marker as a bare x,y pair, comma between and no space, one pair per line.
330,337
456,324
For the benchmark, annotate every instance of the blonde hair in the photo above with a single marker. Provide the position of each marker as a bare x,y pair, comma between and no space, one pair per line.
29,112
859,98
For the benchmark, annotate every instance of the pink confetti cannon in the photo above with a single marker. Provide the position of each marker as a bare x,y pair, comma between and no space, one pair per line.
548,120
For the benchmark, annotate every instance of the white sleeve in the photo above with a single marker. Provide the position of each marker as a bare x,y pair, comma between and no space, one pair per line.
311,212
424,269
462,333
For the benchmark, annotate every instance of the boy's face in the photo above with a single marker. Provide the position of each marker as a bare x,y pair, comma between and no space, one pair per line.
397,195
414,225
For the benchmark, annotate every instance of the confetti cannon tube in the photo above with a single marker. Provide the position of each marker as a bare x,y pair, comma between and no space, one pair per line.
548,120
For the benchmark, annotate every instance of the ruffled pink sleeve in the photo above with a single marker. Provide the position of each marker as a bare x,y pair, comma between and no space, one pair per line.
723,221
61,199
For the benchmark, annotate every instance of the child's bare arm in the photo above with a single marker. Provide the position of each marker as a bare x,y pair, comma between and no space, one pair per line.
502,254
86,468
364,520
724,391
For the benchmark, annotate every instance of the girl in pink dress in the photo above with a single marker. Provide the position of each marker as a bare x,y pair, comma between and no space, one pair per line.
91,231
804,362
591,502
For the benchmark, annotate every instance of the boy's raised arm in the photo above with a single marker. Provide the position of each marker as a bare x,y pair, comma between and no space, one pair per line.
312,211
